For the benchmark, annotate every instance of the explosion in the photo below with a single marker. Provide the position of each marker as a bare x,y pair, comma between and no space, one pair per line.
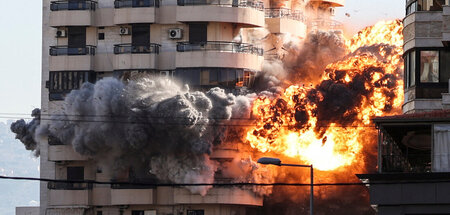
326,125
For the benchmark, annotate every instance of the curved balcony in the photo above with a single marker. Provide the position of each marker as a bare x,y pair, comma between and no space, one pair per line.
247,13
219,54
67,194
283,20
230,196
332,3
135,11
64,58
128,56
65,13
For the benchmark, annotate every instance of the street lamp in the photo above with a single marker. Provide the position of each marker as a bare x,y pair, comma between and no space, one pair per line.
277,162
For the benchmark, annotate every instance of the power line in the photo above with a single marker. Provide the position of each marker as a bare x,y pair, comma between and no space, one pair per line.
225,184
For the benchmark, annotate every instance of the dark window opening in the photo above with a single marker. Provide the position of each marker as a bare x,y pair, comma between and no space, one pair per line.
62,82
210,77
137,212
76,37
195,212
75,173
198,32
99,212
140,35
101,36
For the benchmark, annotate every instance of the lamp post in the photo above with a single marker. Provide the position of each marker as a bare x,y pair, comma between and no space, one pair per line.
277,162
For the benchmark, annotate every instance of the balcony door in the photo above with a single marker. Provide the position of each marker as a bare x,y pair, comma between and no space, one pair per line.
198,32
140,38
76,37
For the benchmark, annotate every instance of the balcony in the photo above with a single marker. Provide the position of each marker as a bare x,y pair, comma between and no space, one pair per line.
248,13
231,196
65,13
128,194
331,3
63,58
325,24
219,54
132,11
128,56
283,20
68,194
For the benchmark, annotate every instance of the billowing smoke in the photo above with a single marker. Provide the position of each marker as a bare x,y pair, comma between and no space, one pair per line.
25,132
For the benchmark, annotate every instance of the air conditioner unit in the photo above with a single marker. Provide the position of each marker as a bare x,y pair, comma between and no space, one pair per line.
124,31
175,33
61,33
165,74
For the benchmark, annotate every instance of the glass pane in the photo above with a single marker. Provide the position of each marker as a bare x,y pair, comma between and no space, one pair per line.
407,70
412,74
445,66
429,66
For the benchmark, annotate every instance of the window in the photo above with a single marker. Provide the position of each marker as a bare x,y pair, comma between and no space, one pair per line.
62,82
99,212
137,212
76,37
101,36
195,212
224,77
444,66
75,173
429,66
430,5
140,35
198,32
412,76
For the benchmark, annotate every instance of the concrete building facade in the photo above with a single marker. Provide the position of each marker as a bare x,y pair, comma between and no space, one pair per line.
199,42
413,148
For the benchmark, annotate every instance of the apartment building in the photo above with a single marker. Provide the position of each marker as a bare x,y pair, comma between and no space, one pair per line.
413,148
199,42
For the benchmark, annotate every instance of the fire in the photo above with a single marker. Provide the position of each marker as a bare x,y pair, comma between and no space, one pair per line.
326,125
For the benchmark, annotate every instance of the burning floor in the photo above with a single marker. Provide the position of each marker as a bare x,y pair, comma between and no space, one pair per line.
168,133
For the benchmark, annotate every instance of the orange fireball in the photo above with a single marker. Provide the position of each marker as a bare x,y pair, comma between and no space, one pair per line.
324,125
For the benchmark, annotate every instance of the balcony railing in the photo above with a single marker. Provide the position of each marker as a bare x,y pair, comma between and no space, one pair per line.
65,50
285,13
425,5
68,186
136,3
326,24
133,49
79,5
259,5
219,46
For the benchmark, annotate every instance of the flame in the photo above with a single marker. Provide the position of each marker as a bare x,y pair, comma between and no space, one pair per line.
293,125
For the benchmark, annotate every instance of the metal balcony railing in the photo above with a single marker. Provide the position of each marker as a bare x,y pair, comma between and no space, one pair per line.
136,3
69,186
65,50
285,13
144,49
219,46
79,5
259,5
325,24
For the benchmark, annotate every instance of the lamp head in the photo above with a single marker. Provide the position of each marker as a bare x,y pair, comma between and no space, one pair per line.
272,161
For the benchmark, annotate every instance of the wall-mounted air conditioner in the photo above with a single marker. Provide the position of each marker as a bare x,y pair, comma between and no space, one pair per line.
175,33
60,33
125,31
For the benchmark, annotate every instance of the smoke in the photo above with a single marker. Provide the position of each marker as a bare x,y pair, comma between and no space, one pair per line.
25,132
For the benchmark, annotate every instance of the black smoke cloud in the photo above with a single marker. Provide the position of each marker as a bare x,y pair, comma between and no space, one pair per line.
25,131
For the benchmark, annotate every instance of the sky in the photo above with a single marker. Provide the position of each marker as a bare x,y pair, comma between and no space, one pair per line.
20,58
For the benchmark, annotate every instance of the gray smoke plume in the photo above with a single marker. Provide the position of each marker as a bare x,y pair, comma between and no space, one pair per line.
152,121
25,132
